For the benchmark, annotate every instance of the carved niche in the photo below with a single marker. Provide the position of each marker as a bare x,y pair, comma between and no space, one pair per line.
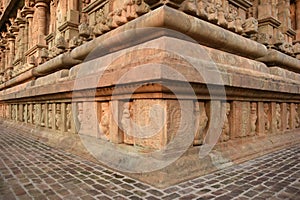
69,117
14,112
253,118
25,111
297,116
201,120
80,113
225,135
104,120
58,119
43,114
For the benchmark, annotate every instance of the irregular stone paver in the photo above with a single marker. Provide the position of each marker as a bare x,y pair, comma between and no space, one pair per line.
32,170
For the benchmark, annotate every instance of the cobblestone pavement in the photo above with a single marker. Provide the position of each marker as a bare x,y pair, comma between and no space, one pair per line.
32,170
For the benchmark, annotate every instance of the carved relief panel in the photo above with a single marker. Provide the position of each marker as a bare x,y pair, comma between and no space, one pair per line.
147,124
43,115
87,116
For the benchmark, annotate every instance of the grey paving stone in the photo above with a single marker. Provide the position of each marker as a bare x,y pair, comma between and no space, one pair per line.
32,170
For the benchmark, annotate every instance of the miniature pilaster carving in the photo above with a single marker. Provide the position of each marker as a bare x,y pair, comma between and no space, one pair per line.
277,121
69,118
50,116
288,115
43,115
267,118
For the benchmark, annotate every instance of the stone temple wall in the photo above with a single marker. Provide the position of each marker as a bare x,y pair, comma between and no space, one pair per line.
108,70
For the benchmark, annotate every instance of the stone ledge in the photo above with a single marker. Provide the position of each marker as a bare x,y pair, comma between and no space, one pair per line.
225,69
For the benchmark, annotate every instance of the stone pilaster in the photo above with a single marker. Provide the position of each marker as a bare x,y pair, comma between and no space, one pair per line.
116,135
41,11
11,44
284,115
22,26
297,16
28,12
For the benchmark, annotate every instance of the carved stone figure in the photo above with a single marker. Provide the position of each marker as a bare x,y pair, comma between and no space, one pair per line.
225,136
201,120
264,38
76,41
239,25
84,30
126,117
126,123
104,121
202,9
80,112
287,48
221,13
101,25
231,17
189,6
266,117
278,39
60,42
253,118
135,8
211,10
